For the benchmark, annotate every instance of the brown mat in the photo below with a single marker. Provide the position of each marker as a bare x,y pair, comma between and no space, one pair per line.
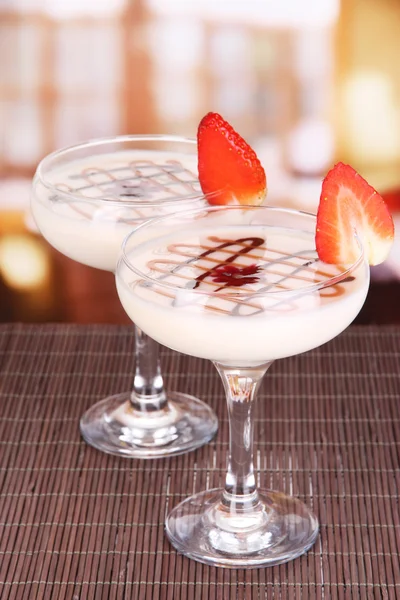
78,524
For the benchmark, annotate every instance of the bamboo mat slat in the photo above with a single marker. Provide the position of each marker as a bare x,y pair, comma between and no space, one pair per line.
78,524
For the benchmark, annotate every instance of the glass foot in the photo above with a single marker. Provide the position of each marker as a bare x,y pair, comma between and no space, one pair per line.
114,426
203,528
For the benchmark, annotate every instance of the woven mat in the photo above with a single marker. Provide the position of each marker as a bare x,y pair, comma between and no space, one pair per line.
78,524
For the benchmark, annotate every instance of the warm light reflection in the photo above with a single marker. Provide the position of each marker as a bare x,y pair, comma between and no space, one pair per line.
372,117
23,262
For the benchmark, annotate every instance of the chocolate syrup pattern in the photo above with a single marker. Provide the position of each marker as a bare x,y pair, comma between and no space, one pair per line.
235,276
299,264
248,244
144,180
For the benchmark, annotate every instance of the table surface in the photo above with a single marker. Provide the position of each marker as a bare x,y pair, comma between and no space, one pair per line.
78,524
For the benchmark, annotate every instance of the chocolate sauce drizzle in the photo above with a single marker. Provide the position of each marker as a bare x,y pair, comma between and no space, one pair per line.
254,242
270,274
146,181
233,276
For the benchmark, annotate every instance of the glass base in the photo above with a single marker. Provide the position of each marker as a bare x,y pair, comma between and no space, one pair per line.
281,529
114,426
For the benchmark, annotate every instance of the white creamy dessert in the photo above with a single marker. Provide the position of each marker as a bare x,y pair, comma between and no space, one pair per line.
237,294
91,204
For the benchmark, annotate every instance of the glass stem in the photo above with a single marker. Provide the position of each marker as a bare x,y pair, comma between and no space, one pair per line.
148,387
241,385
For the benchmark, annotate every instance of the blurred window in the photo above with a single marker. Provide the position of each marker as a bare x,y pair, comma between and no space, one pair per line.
267,13
71,70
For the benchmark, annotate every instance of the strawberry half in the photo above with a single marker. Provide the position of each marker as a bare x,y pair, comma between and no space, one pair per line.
349,204
229,170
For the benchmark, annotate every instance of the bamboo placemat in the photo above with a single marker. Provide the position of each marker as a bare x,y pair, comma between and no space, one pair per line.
78,524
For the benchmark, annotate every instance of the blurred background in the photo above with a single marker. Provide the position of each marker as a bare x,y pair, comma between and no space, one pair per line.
306,83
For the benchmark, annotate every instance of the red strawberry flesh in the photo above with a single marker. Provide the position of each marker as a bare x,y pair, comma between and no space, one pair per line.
229,169
350,208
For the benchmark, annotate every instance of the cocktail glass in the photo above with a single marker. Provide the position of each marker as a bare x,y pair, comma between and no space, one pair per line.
85,200
248,288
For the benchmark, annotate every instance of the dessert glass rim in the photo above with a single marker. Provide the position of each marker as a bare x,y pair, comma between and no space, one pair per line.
309,288
46,163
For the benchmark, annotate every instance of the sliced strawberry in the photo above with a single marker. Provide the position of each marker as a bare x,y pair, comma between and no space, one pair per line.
229,170
348,204
392,199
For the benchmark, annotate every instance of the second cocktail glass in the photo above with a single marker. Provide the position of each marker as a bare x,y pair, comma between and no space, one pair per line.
85,200
249,287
